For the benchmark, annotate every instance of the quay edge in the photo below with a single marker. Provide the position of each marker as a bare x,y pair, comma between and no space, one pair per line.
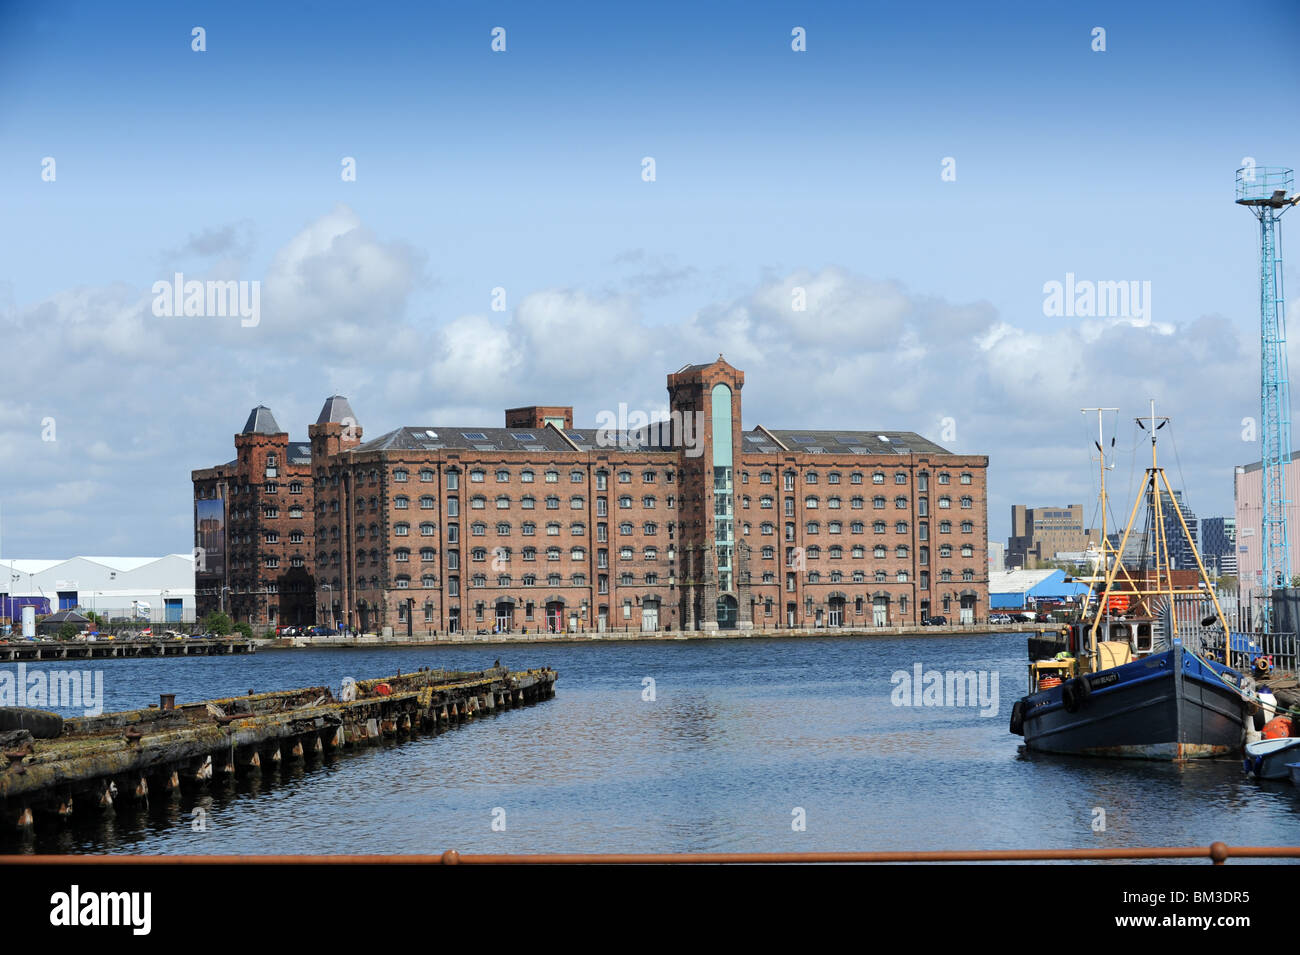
620,636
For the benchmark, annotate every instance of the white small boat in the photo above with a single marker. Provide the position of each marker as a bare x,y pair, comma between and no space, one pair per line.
1294,769
1269,758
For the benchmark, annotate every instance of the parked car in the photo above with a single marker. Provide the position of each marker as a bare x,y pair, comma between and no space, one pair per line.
934,621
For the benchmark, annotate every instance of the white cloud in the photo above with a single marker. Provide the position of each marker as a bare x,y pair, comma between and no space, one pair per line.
141,401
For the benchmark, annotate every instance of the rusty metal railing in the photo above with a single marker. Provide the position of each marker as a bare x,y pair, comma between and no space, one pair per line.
1216,852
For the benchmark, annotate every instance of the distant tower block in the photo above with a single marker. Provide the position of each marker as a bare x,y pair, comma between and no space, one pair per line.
1268,193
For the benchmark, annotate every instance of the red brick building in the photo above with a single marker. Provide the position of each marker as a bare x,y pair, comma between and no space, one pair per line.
697,524
253,529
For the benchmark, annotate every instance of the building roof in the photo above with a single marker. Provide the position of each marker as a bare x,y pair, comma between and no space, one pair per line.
639,439
261,421
1018,581
336,410
122,565
299,452
1039,583
837,441
654,438
470,439
65,616
1257,465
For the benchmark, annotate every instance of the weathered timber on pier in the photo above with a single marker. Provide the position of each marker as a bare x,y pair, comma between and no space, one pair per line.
100,760
109,649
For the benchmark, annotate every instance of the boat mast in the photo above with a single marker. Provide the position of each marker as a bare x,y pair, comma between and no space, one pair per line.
1103,607
1163,566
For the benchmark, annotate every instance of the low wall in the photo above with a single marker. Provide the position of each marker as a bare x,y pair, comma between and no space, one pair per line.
432,638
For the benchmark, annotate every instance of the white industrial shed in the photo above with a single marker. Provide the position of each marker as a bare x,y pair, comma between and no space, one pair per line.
110,586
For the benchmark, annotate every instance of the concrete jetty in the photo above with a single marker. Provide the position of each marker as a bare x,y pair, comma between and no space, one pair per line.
110,649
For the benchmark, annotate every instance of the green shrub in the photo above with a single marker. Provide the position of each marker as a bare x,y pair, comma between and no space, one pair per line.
218,623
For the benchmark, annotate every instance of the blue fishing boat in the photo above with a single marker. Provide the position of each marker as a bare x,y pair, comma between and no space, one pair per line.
1169,705
1111,684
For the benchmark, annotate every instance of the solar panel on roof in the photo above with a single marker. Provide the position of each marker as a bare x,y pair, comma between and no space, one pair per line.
575,436
524,436
804,439
473,435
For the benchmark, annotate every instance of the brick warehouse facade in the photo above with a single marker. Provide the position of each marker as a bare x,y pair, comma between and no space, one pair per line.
539,525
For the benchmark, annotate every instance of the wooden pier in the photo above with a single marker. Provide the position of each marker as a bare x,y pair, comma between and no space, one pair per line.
96,763
109,649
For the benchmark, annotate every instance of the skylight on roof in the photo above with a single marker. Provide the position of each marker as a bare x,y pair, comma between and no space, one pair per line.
523,436
575,436
804,439
473,435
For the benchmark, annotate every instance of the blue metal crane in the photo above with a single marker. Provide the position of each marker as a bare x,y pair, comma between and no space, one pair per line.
1267,193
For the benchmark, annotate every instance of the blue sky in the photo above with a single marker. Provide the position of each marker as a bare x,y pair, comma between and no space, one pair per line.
522,170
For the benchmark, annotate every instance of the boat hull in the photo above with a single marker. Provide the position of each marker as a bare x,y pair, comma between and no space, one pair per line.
1167,706
1269,758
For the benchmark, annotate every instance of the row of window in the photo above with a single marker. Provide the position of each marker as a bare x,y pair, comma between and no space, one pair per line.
857,527
856,477
273,537
502,475
813,502
578,529
269,510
